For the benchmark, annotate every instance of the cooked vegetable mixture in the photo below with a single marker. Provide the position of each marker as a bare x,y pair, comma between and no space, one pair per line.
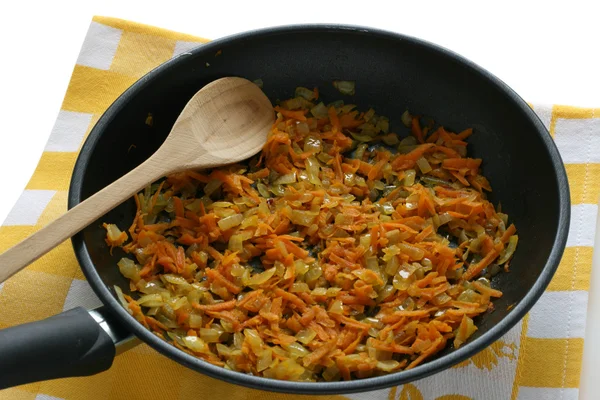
340,252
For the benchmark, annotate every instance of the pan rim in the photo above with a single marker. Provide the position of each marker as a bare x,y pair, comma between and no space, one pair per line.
367,384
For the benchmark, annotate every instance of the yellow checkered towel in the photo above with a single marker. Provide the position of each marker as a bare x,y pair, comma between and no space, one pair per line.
540,358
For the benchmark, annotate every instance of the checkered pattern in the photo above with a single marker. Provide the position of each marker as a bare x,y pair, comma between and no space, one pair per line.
540,358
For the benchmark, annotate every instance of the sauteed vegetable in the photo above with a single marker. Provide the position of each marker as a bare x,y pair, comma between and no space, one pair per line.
341,251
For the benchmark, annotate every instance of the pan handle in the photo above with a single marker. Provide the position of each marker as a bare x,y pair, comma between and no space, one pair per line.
74,343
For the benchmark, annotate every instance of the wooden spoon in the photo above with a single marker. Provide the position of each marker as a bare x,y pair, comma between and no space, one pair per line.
225,122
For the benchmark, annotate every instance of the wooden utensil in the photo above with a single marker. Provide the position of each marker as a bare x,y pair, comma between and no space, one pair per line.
225,122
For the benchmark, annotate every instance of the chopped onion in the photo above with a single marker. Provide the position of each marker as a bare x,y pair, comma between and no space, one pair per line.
508,252
129,269
345,87
121,298
393,236
285,179
409,177
408,141
263,190
177,303
336,307
441,298
224,212
304,218
224,350
260,278
424,165
365,240
250,221
392,266
264,360
347,108
149,287
230,222
387,208
372,263
387,291
361,137
221,204
360,151
464,331
300,287
401,283
227,326
195,344
369,114
286,370
236,243
388,365
319,111
406,119
174,279
379,185
390,139
306,336
383,125
324,158
296,103
313,144
305,93
469,296
414,253
296,350
300,267
195,321
277,190
253,338
209,335
151,300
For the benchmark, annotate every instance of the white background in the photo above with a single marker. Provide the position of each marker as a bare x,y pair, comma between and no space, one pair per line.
548,53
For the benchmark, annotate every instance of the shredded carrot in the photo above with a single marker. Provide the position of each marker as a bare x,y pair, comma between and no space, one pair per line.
232,287
475,269
319,353
393,347
227,305
465,134
416,130
325,251
298,115
436,346
291,298
511,230
487,290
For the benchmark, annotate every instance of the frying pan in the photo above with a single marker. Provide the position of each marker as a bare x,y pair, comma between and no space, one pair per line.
393,72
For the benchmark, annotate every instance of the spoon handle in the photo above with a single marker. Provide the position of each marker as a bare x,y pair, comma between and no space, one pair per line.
22,254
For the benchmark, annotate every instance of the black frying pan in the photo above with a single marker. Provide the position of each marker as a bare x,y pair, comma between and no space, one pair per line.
393,72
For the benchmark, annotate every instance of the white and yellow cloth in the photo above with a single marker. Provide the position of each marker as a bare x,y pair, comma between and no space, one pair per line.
540,358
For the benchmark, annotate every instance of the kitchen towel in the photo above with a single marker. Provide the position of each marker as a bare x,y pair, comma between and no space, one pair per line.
540,358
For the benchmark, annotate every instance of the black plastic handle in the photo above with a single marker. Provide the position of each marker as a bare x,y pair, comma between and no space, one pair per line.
68,344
